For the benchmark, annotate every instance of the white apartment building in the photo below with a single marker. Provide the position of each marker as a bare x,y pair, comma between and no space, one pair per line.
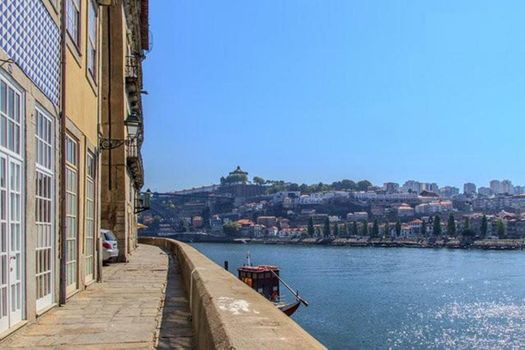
495,186
357,216
485,191
507,187
433,207
393,197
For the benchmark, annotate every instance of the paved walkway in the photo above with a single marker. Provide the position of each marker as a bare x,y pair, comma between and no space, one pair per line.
129,310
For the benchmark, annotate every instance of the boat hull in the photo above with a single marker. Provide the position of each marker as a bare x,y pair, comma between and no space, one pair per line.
289,309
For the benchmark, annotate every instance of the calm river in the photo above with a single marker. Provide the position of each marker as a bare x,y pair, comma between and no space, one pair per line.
400,298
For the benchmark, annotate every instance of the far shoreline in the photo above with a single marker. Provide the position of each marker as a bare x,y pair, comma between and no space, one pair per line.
486,244
356,241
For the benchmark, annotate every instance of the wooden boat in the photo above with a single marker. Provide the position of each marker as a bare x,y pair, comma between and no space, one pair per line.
290,308
264,279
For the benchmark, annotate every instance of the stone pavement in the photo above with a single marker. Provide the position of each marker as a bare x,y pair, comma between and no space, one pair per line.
129,310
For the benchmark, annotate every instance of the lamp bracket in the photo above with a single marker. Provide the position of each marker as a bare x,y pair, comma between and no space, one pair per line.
107,143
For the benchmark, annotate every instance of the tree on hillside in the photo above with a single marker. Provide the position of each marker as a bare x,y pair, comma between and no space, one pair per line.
276,186
311,228
423,228
484,226
343,185
336,229
231,228
206,214
258,180
500,228
293,187
451,226
386,230
365,228
326,231
355,231
320,187
466,226
345,230
436,230
469,233
375,229
363,185
303,188
398,228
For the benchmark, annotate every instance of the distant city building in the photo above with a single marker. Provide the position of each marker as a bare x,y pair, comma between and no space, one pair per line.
391,187
267,221
216,224
236,185
431,187
405,210
507,187
319,219
357,216
433,207
197,221
377,210
411,229
280,197
485,191
411,186
469,188
519,190
495,186
418,187
391,197
449,191
334,218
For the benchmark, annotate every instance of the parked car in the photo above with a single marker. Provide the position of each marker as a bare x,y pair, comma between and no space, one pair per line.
109,245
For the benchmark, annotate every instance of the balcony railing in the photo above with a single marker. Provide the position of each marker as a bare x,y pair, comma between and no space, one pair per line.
135,164
132,68
133,82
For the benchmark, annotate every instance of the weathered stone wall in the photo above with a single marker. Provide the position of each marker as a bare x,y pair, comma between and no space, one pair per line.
227,314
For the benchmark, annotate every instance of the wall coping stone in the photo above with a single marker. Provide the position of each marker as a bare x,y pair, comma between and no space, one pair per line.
226,313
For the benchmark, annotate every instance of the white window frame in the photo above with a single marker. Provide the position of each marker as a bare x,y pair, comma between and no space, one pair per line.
15,157
90,217
92,34
45,166
73,20
72,165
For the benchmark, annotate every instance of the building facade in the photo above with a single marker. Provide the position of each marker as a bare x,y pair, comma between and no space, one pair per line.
30,76
50,154
81,109
125,33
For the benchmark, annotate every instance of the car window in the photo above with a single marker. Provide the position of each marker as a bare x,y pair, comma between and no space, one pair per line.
109,236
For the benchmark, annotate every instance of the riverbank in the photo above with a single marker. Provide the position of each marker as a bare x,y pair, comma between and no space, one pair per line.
486,244
356,241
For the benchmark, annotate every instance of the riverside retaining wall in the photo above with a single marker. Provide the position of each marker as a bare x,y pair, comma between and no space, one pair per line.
226,313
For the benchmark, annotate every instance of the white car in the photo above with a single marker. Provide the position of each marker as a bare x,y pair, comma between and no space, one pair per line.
109,245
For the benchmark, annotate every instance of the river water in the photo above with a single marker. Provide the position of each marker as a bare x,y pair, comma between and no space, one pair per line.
399,298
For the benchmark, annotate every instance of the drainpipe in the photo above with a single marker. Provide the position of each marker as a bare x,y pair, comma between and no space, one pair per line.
62,187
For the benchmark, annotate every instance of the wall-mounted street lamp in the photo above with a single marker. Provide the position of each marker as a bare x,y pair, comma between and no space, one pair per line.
133,124
143,202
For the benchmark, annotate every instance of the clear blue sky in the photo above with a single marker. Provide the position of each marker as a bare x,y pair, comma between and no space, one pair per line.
310,91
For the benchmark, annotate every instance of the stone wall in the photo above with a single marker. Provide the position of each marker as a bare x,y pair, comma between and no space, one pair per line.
226,313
